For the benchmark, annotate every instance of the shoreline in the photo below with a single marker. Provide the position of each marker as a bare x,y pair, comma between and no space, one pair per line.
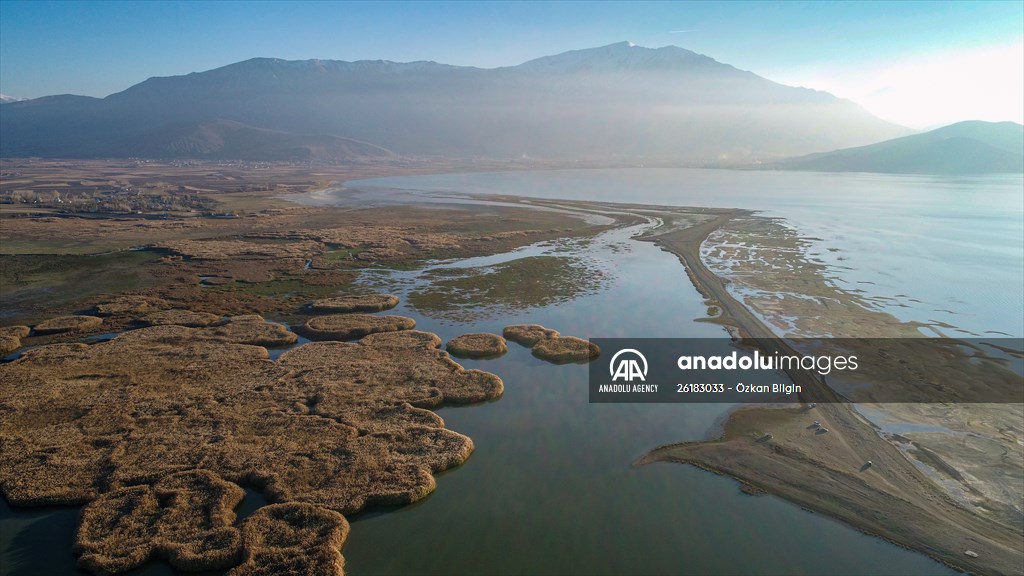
749,463
860,439
922,518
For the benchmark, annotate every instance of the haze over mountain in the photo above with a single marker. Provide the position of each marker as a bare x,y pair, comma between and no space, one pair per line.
617,102
973,147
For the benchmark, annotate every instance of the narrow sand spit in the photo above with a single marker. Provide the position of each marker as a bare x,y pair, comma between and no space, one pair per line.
481,345
156,428
360,303
351,326
827,472
63,324
549,345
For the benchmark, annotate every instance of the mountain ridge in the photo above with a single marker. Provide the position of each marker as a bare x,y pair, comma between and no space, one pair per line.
608,103
969,147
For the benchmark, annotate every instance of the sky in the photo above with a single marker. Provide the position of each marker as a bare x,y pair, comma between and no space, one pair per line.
920,64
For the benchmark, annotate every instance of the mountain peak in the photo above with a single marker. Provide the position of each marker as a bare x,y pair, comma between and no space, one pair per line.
623,55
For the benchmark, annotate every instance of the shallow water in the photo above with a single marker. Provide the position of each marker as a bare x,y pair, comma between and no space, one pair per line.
551,488
924,248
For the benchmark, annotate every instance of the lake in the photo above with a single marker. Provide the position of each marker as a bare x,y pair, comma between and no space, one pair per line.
551,487
927,248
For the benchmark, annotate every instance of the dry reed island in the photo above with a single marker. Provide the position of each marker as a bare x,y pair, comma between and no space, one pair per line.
155,427
207,277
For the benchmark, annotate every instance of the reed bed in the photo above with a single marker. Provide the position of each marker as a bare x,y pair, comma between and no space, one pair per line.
62,324
156,429
352,326
357,303
551,346
478,345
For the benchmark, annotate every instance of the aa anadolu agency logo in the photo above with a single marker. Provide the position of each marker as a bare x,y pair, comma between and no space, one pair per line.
626,365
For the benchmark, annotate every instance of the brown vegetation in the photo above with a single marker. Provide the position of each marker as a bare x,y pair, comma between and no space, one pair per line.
333,424
480,345
352,326
9,343
566,349
130,305
185,518
402,340
328,426
298,539
357,303
241,249
67,324
181,317
549,345
10,337
15,331
528,334
250,329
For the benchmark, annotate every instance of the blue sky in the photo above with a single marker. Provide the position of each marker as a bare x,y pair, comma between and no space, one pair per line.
854,49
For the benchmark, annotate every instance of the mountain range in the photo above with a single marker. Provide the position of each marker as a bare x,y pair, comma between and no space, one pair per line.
619,102
972,147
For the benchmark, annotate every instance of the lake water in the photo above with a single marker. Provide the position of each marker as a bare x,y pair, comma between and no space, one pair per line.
925,248
551,488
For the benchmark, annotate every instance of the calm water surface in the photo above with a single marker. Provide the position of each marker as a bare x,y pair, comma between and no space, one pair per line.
551,488
925,248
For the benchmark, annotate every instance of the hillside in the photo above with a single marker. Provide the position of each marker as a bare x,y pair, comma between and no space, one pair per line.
972,147
617,102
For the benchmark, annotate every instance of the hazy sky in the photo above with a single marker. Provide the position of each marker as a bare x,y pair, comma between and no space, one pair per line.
919,63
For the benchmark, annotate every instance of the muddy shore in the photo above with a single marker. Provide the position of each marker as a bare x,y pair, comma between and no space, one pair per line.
828,473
